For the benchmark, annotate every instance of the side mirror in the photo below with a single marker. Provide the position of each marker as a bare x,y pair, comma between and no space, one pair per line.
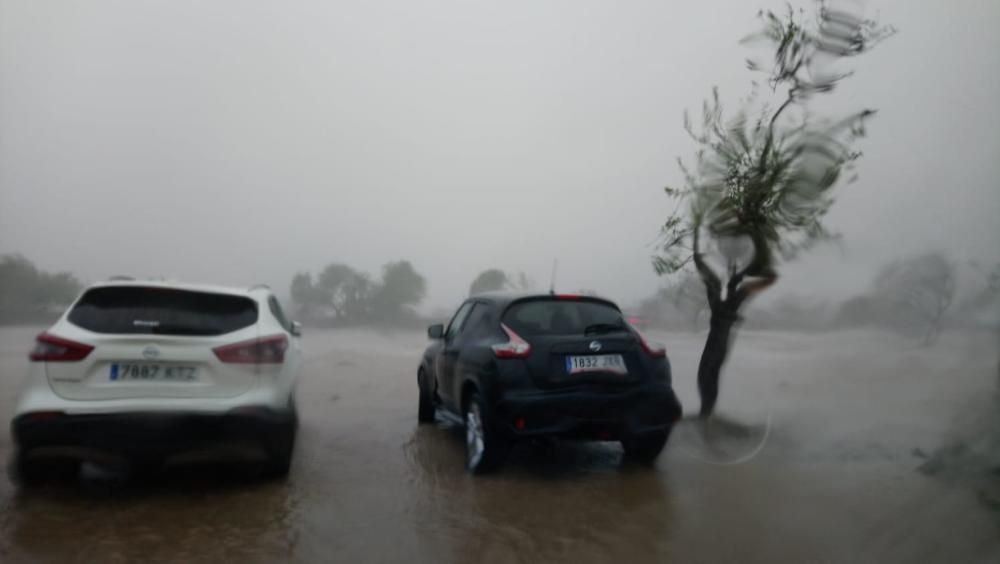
295,329
435,331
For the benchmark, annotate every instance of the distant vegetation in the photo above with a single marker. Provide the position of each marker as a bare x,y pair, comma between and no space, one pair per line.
495,280
30,295
342,295
915,296
910,296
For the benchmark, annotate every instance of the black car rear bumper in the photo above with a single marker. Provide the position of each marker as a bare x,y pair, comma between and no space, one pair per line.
589,413
150,434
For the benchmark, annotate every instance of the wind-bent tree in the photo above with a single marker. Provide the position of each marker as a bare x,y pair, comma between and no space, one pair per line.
402,288
308,297
520,282
989,287
27,292
490,280
763,179
349,291
918,292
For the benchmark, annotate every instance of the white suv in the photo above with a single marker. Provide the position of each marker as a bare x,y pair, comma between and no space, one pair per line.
148,370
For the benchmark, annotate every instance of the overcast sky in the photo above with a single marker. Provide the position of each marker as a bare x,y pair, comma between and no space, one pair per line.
238,142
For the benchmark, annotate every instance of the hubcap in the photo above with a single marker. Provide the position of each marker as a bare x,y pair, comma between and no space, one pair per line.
474,442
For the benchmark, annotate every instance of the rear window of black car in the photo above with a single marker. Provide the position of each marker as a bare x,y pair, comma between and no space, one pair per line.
162,311
560,316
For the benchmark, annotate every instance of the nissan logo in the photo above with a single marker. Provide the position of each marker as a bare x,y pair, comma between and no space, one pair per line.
595,346
150,352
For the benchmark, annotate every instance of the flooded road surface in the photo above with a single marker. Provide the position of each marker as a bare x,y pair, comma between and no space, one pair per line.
818,459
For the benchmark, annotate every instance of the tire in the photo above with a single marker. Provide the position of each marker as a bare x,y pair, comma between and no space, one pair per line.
27,472
485,448
23,472
426,410
282,445
645,448
145,467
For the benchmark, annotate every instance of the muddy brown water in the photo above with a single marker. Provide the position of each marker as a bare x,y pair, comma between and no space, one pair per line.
818,464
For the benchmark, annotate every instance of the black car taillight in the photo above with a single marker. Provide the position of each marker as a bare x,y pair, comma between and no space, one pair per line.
655,351
515,347
49,348
265,350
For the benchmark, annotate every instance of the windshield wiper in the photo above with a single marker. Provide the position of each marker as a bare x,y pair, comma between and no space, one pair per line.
604,328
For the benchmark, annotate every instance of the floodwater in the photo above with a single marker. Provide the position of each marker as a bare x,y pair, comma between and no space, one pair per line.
818,459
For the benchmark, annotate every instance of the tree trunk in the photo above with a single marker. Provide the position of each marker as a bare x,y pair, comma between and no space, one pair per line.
713,357
725,312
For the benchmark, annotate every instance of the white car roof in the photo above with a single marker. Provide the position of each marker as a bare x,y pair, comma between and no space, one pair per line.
173,284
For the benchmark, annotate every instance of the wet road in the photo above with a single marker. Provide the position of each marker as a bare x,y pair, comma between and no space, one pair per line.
821,468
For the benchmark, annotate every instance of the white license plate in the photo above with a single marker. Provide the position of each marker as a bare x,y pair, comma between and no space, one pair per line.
596,363
134,372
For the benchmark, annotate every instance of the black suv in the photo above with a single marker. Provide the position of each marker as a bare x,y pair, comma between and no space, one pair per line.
519,366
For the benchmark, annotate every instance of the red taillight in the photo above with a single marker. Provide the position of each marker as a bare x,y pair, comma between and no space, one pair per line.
49,348
265,350
516,347
568,296
656,351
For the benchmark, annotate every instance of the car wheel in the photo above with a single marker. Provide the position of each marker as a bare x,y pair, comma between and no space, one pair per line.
281,447
22,472
485,449
27,472
145,467
645,448
425,412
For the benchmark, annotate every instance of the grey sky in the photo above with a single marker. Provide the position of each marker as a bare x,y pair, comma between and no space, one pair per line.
238,141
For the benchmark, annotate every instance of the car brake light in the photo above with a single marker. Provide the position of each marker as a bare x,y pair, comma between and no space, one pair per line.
516,347
656,351
49,348
265,350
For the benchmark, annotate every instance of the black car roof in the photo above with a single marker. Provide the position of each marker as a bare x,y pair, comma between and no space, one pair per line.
503,298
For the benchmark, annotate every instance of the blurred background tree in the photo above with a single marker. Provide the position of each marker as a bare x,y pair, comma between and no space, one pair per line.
343,295
402,289
28,294
914,294
489,280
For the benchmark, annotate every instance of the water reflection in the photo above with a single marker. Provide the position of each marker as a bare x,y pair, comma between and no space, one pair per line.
551,502
193,513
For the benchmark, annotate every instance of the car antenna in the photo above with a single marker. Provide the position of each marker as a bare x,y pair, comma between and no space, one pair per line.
552,280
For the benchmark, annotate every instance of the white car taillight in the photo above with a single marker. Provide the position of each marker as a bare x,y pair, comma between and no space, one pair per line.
49,348
264,350
516,347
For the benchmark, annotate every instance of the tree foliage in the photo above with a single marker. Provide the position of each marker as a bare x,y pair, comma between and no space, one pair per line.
28,293
495,280
350,291
489,280
305,294
343,294
766,174
402,288
916,293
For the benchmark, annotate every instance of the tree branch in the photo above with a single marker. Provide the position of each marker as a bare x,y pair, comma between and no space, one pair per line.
713,286
760,268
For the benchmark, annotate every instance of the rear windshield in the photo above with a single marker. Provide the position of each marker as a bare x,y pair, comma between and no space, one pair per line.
561,317
162,311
